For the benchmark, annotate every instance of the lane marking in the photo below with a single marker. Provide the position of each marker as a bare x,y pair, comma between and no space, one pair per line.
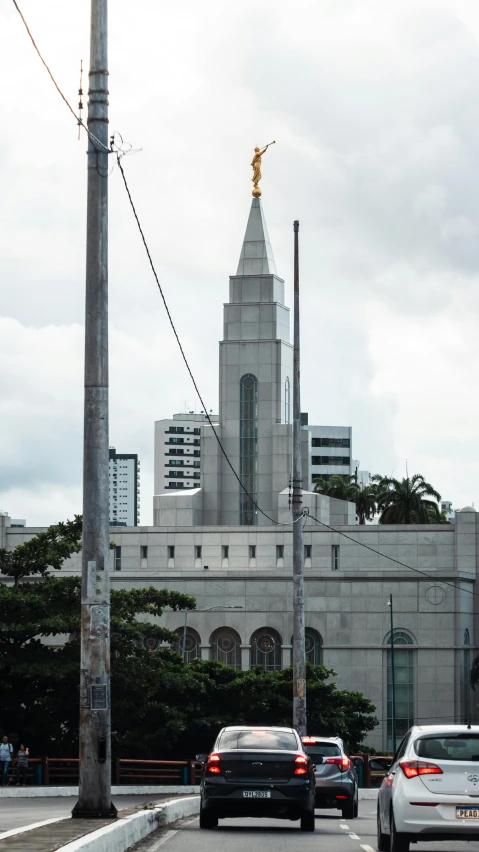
346,827
13,831
354,837
367,848
169,834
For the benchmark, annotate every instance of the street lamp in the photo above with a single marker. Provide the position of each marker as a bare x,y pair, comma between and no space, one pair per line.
208,609
393,674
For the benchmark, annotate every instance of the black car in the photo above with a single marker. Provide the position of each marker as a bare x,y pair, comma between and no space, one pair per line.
258,772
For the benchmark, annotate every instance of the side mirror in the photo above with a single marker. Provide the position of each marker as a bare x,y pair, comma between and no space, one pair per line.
201,758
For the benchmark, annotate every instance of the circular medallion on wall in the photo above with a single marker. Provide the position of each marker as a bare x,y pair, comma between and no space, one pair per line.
435,595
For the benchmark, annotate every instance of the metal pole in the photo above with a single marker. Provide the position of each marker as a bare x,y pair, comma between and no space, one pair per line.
299,650
184,636
94,798
393,674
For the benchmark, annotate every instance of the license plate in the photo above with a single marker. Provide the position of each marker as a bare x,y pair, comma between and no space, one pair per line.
467,813
256,794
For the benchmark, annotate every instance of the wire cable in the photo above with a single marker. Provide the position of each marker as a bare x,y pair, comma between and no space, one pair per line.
391,558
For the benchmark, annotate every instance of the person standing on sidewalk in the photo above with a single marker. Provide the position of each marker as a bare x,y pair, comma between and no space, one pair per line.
22,766
6,751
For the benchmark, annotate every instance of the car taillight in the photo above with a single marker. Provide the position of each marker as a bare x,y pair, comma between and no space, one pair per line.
301,765
343,762
413,768
308,739
212,764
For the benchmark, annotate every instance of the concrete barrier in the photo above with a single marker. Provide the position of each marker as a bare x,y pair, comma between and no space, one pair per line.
128,830
56,792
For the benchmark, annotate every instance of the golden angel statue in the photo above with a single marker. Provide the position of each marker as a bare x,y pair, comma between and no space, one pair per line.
256,164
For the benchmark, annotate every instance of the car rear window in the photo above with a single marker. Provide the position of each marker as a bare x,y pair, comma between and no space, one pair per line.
259,739
448,747
322,750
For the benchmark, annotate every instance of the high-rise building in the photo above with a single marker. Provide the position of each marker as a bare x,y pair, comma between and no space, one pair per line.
178,451
124,476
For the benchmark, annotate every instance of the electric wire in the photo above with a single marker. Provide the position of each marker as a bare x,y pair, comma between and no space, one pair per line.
453,585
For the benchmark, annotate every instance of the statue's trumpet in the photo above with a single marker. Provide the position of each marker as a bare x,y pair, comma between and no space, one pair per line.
270,143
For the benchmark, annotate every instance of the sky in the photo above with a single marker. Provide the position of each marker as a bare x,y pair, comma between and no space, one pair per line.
374,107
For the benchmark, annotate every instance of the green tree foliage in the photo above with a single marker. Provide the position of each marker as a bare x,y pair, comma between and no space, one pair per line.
45,551
397,501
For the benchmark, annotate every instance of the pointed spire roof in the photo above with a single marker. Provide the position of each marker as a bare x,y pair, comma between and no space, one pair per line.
256,256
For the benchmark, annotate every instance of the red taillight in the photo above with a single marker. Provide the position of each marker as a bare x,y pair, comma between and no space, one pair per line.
303,763
343,762
212,764
413,768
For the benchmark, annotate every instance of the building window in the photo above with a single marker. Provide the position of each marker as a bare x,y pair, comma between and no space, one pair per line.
335,557
197,551
144,551
171,551
280,551
191,649
307,551
248,448
266,649
117,558
331,460
404,687
287,400
313,646
226,647
252,551
196,430
225,551
330,442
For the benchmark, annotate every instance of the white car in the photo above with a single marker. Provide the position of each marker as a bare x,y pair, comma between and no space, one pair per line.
432,789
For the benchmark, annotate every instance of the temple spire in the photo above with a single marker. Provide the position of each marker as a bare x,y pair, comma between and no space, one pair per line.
256,256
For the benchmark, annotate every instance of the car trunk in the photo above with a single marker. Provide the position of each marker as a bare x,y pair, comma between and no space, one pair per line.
251,766
324,771
457,756
461,777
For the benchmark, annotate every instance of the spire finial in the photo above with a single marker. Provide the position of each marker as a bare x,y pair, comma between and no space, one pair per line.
256,164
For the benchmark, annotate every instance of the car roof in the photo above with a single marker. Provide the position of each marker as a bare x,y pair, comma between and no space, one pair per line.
259,728
444,729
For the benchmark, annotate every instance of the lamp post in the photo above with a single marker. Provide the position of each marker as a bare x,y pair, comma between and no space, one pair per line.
208,609
393,674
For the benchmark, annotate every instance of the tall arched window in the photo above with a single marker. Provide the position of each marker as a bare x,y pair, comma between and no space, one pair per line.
466,679
226,647
248,448
266,649
403,686
313,643
287,400
193,644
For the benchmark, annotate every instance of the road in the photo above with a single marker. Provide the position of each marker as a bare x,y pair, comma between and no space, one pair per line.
18,812
333,834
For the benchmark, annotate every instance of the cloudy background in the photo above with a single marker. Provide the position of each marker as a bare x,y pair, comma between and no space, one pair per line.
375,109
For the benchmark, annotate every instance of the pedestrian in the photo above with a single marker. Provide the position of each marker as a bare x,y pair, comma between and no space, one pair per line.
6,751
22,766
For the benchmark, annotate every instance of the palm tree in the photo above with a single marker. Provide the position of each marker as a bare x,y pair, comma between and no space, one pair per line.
406,501
346,488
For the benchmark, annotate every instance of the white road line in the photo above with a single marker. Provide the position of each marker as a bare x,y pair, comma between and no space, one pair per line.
13,831
346,827
367,848
354,837
168,835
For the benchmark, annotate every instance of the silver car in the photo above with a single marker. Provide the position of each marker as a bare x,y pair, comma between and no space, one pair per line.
336,778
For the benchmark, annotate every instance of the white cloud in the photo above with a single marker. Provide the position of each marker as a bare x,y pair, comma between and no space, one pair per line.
376,117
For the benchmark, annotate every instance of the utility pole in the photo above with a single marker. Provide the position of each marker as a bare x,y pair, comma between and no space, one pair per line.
299,649
95,716
393,674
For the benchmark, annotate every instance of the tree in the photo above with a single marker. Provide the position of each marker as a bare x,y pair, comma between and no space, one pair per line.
406,501
347,488
43,552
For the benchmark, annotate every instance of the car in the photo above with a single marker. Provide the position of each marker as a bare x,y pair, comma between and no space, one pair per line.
432,789
335,774
257,772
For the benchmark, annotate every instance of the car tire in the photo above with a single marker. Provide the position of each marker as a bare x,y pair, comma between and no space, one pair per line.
208,819
356,805
308,821
397,842
347,810
382,839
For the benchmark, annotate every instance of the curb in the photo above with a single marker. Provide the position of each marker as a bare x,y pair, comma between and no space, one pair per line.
56,792
125,832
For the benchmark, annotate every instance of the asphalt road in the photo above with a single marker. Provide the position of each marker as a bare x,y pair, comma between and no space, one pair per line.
332,834
15,813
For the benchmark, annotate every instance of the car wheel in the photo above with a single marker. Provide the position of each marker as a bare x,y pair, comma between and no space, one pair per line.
397,842
356,805
382,839
308,822
347,810
208,819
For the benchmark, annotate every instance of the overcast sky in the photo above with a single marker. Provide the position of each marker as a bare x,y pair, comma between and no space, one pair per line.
375,109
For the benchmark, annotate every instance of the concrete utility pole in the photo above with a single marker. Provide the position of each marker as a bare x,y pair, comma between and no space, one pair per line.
393,675
299,649
95,716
